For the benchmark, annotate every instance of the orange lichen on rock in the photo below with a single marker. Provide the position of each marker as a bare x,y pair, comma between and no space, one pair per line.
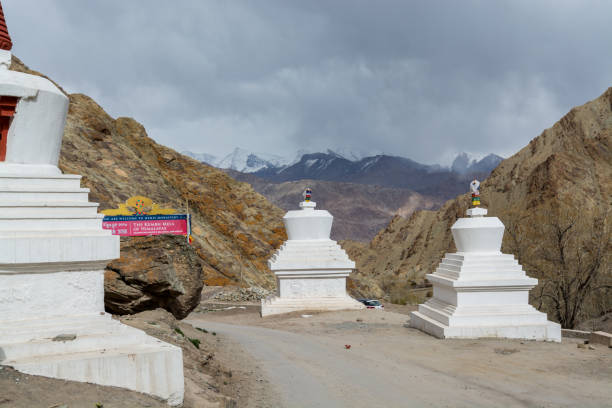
218,281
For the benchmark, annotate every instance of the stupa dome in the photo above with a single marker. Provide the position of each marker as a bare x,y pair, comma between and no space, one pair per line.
308,223
478,233
32,118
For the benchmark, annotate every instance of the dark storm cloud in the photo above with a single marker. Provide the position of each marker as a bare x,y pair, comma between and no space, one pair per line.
420,79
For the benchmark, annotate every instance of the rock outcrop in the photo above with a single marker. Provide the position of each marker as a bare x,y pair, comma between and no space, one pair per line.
234,228
157,271
562,176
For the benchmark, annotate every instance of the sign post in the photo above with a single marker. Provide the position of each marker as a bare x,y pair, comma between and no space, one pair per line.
139,216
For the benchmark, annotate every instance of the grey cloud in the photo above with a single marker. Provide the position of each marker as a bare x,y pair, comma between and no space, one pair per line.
421,79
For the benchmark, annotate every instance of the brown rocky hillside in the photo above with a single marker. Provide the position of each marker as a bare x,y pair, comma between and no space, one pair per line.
359,210
234,228
562,179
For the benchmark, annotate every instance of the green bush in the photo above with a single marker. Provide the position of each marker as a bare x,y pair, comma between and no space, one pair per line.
195,342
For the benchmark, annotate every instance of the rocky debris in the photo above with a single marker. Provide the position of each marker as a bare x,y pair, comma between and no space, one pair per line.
235,229
156,271
234,294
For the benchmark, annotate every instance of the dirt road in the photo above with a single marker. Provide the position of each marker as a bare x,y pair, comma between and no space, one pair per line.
306,363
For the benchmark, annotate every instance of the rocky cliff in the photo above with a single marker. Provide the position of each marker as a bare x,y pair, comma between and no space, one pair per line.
234,228
555,198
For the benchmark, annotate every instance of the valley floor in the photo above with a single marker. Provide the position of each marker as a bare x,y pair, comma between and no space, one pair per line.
295,361
303,362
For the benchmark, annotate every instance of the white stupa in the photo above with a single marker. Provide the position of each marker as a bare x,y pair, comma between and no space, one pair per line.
53,252
310,268
479,291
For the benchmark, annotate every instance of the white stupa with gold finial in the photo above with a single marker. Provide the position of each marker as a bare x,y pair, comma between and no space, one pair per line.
53,252
479,291
310,268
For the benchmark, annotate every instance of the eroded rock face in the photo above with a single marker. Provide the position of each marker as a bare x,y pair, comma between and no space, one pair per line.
154,272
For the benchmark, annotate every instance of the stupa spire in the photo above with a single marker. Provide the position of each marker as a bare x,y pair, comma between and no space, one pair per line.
5,39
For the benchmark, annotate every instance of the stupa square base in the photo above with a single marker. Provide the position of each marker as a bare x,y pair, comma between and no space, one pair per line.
94,348
277,305
543,331
315,284
53,324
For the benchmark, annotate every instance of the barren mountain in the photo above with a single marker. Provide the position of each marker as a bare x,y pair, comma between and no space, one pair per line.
234,228
555,198
359,210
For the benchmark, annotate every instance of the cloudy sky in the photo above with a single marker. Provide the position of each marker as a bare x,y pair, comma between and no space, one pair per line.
422,79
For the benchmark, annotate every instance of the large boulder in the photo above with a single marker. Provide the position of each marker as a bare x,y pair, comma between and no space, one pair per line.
156,271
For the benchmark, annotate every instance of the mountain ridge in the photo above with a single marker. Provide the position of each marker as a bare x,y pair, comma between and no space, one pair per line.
381,170
268,164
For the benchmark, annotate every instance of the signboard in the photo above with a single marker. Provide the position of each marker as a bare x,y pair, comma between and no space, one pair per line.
141,216
136,225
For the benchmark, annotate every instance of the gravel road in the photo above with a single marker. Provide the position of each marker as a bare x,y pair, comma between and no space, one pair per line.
388,365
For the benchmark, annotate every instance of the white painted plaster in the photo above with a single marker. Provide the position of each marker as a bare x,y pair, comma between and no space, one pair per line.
310,268
312,287
35,135
5,59
308,223
480,292
28,296
478,234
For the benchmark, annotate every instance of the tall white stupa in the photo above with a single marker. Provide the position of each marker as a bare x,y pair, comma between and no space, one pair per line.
53,252
310,268
479,291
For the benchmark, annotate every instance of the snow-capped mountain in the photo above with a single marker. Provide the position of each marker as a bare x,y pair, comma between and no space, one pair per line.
466,163
352,154
383,170
248,162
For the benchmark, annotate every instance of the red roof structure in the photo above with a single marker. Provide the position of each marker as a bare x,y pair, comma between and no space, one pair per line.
5,38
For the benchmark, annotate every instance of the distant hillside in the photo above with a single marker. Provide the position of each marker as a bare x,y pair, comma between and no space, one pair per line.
364,195
235,229
360,211
555,198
